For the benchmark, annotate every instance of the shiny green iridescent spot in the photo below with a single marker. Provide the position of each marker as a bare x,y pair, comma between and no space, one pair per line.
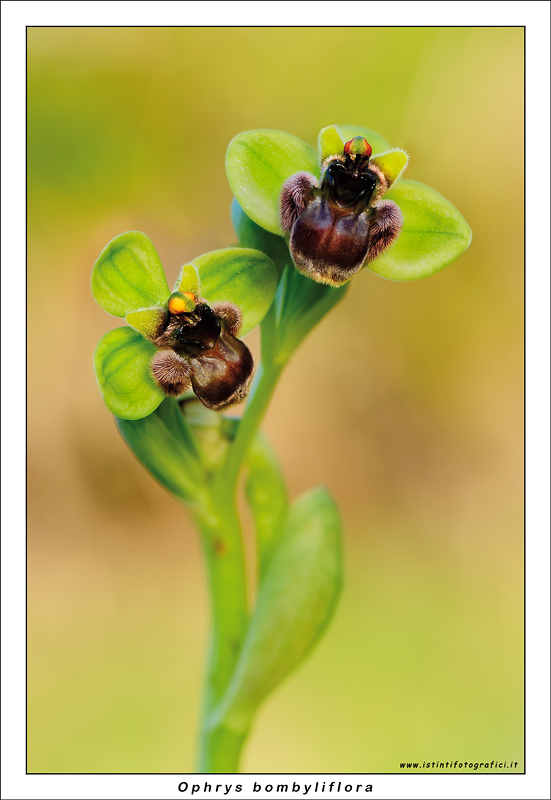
181,302
358,146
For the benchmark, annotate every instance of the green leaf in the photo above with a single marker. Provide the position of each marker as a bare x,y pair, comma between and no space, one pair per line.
128,275
392,164
163,443
267,498
434,234
237,275
252,235
257,165
378,143
294,605
121,364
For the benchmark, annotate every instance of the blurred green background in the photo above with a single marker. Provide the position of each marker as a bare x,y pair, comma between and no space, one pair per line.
407,402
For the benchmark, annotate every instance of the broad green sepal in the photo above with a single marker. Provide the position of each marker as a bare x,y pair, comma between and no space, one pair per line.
434,234
128,275
165,446
121,364
188,281
295,603
267,499
392,164
246,278
147,321
258,163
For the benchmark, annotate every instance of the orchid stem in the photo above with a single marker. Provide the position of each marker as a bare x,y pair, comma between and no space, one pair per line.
225,560
220,748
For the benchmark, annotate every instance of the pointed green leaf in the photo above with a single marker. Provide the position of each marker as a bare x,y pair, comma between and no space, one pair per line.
163,443
188,281
267,498
128,275
257,165
392,164
244,277
121,363
147,321
294,605
434,234
378,143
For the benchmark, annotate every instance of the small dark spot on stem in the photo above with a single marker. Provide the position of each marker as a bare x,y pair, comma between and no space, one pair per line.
219,547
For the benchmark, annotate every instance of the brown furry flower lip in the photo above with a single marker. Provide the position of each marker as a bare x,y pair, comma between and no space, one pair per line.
338,225
198,349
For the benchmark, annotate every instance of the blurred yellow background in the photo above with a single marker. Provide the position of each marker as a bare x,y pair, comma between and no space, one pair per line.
407,402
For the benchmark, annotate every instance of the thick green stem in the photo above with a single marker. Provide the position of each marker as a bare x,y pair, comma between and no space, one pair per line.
224,556
220,747
220,750
265,381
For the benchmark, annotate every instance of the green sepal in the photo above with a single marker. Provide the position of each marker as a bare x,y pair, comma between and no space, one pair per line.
128,275
300,304
295,603
267,498
246,278
433,235
121,364
188,281
164,444
332,139
258,163
252,235
148,321
392,164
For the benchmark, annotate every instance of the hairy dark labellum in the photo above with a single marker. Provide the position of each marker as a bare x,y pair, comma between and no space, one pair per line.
199,350
339,225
